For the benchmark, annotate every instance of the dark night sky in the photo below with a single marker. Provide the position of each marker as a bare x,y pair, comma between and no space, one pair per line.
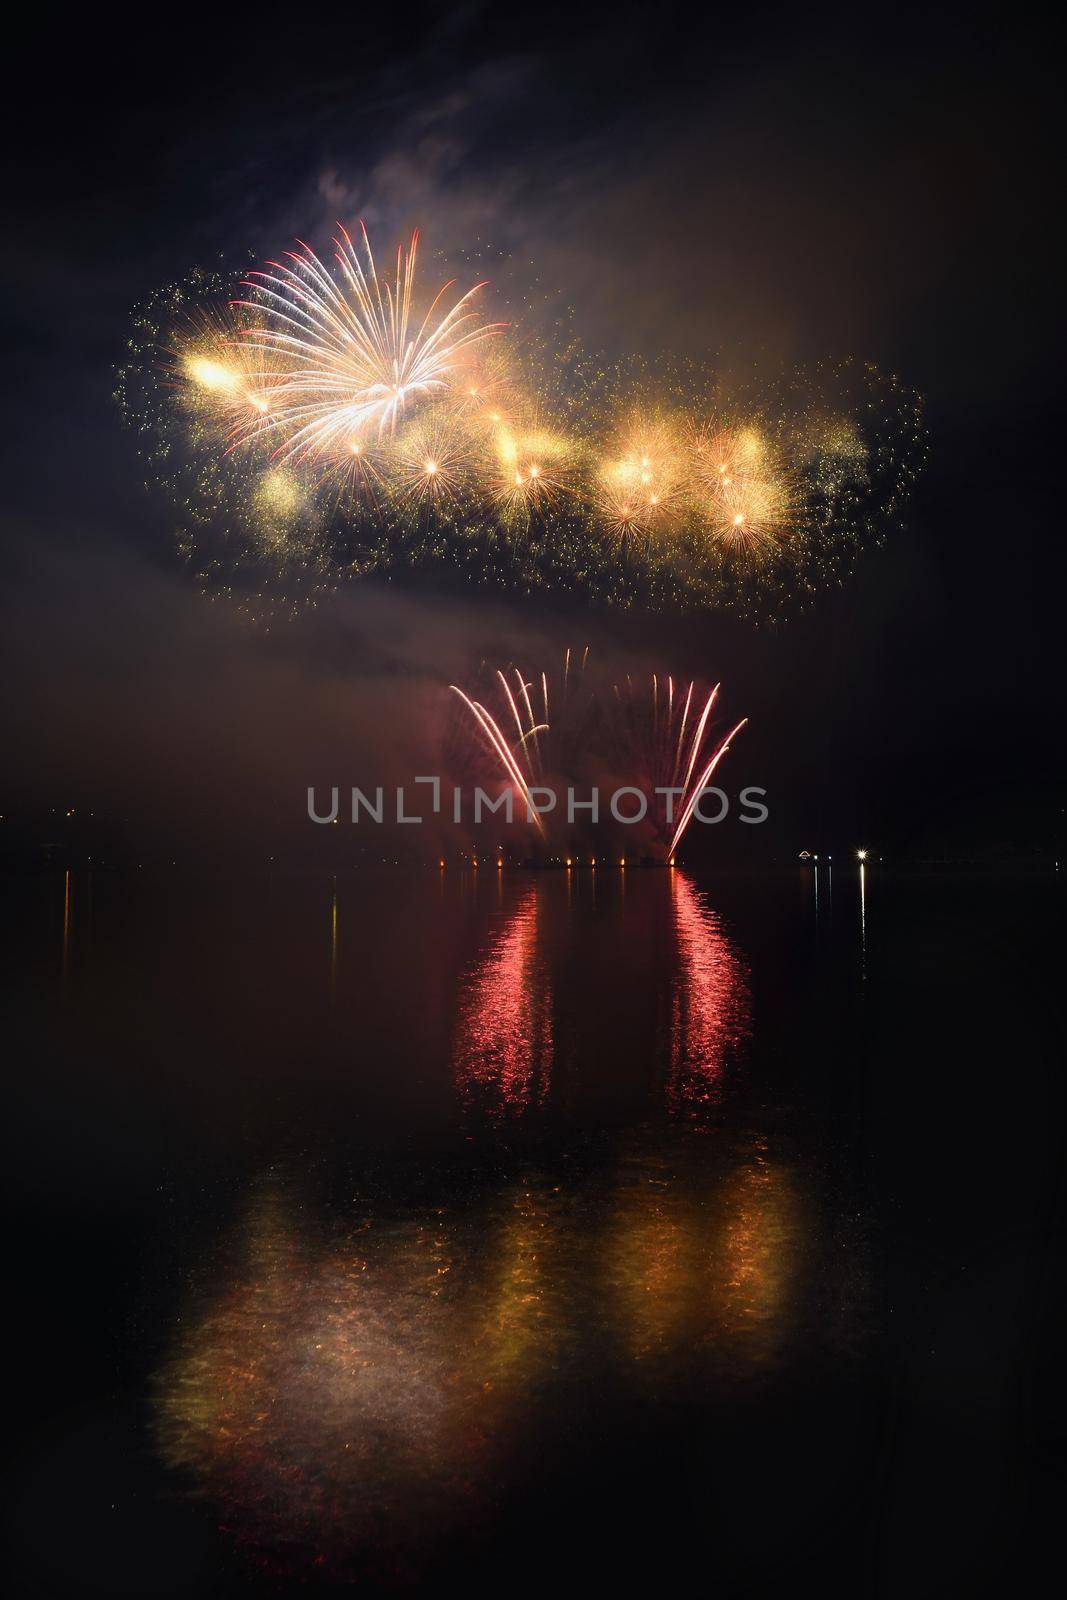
799,183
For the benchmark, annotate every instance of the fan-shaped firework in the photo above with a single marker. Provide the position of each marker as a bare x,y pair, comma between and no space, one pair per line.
526,725
355,357
665,732
414,432
556,729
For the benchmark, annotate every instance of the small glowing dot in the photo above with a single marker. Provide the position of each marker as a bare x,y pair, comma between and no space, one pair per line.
431,467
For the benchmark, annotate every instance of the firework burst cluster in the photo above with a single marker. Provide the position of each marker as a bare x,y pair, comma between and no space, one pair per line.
329,422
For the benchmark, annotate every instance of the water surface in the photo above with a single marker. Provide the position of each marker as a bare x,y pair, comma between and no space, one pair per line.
413,1225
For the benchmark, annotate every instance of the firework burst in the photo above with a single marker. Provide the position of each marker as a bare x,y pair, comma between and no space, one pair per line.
742,488
530,466
431,460
226,382
408,432
642,482
355,355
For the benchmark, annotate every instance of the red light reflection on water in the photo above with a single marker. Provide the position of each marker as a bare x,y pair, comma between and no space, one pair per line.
709,1002
503,1049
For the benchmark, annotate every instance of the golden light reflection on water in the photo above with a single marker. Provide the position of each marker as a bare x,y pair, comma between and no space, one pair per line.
350,1383
525,1306
320,1381
705,1265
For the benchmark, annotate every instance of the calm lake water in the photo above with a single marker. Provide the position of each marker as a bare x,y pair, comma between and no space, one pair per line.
512,1228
